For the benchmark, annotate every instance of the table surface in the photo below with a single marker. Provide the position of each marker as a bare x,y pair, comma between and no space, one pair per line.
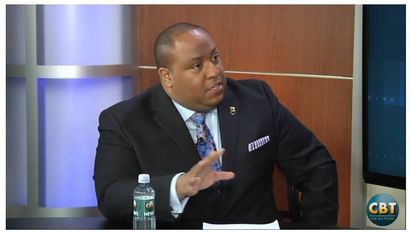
65,223
85,223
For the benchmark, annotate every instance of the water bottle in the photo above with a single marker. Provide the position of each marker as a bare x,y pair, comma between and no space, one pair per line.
143,204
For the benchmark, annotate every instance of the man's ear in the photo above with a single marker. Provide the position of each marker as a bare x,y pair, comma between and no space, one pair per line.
165,77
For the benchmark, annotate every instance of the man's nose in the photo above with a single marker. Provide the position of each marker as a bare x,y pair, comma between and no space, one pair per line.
212,70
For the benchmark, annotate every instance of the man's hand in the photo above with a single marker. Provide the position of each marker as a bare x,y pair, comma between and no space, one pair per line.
201,176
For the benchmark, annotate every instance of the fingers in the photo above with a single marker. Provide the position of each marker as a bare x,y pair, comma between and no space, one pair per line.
201,176
205,164
224,175
213,156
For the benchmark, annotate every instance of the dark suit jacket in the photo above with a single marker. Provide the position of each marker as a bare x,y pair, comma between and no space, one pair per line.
146,134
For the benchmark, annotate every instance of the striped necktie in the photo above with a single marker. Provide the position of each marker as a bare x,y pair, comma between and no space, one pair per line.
205,142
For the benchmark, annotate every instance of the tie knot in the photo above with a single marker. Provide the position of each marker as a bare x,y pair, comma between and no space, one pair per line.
198,118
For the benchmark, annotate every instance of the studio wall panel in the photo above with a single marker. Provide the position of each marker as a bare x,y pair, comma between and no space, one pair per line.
276,38
147,78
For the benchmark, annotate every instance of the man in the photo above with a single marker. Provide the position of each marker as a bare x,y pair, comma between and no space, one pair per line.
209,143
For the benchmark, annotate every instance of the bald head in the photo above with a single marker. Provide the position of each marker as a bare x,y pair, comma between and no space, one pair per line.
165,42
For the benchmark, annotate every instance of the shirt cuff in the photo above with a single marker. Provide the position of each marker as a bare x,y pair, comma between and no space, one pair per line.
176,205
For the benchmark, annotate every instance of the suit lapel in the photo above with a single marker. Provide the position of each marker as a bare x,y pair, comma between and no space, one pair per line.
167,116
228,114
228,125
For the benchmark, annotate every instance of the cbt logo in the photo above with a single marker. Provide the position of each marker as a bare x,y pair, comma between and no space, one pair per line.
382,209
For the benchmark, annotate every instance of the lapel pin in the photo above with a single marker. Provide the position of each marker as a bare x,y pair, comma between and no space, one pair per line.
232,110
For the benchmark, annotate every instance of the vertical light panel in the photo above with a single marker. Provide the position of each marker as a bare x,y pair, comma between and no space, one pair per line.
15,35
16,143
68,113
84,35
76,35
16,124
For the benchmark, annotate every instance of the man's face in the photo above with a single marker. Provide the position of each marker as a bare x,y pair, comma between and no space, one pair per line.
196,72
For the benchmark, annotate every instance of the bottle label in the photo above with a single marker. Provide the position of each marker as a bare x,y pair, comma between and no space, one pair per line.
144,207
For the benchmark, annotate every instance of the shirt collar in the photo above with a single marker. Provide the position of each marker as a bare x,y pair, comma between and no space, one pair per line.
187,113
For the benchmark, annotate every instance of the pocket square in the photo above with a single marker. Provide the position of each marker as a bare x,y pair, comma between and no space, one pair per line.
258,143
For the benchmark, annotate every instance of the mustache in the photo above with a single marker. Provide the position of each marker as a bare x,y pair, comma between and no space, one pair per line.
220,81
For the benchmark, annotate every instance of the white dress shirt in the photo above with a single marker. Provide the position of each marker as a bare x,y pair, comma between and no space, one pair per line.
211,120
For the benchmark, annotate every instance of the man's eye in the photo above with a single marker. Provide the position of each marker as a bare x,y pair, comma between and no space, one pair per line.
196,66
215,57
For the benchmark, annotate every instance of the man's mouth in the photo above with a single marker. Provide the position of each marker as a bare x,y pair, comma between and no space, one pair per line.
217,86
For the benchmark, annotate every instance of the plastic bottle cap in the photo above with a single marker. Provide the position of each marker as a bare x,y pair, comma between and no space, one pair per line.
143,178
